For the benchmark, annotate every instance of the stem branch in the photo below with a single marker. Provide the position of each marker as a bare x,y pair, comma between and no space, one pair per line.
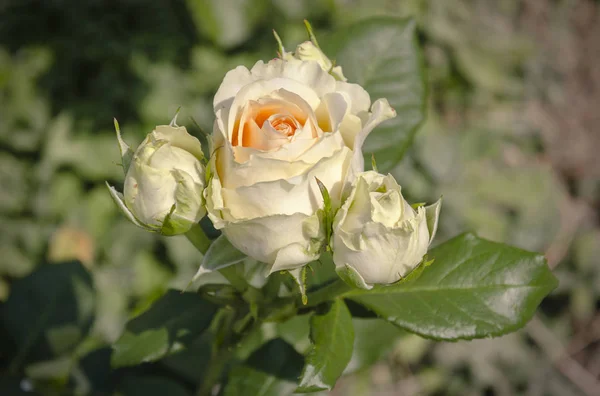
327,293
198,238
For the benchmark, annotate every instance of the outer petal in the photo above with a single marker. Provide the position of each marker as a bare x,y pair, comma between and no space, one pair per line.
149,193
179,137
380,111
288,241
359,99
118,198
432,213
188,205
299,194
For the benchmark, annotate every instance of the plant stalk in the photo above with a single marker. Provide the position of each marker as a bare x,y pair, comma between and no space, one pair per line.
198,238
327,293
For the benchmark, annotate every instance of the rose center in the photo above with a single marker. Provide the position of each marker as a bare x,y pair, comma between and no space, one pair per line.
286,125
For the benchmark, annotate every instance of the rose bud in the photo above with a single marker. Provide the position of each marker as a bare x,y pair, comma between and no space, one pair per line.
378,238
164,181
309,52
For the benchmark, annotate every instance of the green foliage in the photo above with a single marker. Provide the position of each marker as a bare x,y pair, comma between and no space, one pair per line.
49,312
332,338
171,324
221,254
474,288
382,55
373,339
151,386
277,358
248,381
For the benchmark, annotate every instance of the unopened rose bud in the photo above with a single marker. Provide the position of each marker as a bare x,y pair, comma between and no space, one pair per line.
164,181
378,238
310,52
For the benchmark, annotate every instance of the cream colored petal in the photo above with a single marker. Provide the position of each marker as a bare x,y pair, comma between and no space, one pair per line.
293,256
265,88
179,137
381,111
305,72
299,194
276,165
432,213
149,193
331,111
118,199
233,81
358,99
263,238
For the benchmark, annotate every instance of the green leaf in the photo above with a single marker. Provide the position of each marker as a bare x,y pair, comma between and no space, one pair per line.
473,289
226,22
332,336
49,311
373,339
171,324
277,358
251,382
383,56
95,369
220,254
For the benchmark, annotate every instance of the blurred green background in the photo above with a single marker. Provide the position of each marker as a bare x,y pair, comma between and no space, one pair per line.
512,141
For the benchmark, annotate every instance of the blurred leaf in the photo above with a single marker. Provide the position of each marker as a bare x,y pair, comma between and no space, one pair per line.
373,339
474,288
227,22
16,387
332,337
151,386
22,242
193,362
296,331
95,367
278,359
14,175
382,55
49,311
171,324
250,382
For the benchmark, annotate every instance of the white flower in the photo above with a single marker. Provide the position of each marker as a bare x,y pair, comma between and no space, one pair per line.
308,51
278,126
378,238
164,181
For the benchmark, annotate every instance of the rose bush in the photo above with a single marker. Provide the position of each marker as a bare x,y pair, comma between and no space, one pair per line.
378,237
279,126
164,181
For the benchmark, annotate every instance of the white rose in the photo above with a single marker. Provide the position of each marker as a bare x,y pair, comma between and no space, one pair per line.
308,51
164,181
378,238
278,126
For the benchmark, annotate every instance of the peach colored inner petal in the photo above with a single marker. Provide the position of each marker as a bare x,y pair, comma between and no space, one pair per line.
267,124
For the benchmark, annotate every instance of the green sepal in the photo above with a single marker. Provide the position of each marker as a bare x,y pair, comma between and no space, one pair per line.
124,149
311,33
328,213
352,278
